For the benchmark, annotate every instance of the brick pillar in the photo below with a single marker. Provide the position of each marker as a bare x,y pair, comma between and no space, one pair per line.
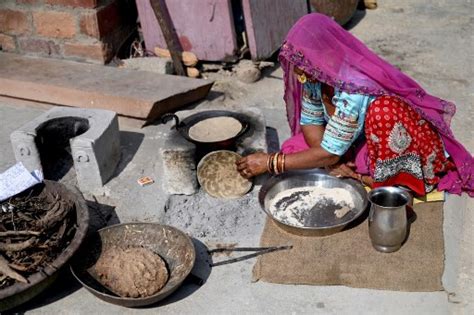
82,30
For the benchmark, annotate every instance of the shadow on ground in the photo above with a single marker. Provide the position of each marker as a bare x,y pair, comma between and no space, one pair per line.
129,144
100,215
356,18
63,286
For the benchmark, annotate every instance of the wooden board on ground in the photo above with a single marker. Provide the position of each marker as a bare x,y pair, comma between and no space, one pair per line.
132,93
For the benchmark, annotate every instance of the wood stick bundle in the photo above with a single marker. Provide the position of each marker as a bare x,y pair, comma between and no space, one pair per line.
33,232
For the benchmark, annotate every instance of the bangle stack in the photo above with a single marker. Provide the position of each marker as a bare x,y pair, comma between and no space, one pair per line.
276,163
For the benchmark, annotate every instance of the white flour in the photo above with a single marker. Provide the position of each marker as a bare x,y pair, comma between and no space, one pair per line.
295,206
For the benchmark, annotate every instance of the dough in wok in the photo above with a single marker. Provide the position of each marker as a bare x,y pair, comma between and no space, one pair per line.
215,129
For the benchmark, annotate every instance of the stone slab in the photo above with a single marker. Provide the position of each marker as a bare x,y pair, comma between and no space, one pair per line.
151,64
179,167
132,93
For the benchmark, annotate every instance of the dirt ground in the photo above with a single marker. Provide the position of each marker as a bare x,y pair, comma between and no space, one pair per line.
429,40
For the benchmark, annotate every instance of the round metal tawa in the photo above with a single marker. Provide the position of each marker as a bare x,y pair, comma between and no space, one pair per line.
218,176
322,221
175,247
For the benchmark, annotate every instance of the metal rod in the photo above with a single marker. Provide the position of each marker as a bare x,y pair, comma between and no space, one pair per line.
244,249
258,253
169,33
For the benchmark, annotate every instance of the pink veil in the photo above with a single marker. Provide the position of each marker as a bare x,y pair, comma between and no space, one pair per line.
330,54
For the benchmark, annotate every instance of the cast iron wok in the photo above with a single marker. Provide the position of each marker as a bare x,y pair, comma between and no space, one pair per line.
173,245
184,126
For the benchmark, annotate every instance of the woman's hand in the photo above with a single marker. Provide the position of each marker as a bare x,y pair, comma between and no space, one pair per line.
343,170
252,165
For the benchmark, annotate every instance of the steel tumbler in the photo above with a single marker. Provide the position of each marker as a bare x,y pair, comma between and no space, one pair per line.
388,218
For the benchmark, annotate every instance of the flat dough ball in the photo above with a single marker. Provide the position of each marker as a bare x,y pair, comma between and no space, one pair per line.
215,129
218,175
132,272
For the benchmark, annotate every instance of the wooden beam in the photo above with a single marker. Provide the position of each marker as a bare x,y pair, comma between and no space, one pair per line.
169,33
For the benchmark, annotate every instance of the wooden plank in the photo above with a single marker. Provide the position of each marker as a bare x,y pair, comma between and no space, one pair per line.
204,27
268,21
132,93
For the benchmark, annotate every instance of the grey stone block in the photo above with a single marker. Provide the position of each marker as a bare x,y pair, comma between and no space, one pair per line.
96,152
179,166
152,64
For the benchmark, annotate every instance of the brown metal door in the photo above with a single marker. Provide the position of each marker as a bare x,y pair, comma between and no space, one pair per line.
268,21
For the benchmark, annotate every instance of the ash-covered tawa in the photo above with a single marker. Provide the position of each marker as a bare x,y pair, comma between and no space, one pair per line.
218,176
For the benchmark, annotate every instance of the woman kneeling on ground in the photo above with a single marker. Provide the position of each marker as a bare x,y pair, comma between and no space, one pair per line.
355,114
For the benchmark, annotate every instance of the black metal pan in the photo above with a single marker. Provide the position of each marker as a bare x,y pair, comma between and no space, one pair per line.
183,127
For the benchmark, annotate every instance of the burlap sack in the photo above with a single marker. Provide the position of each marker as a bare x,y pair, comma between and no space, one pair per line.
348,258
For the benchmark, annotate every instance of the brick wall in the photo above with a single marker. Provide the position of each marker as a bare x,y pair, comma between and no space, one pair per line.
82,30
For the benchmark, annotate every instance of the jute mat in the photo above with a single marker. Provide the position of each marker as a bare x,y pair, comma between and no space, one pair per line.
348,258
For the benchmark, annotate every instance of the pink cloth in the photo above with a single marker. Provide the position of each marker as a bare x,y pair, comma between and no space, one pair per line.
297,143
328,53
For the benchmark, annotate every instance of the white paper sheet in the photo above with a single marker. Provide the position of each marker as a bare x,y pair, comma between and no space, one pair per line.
17,179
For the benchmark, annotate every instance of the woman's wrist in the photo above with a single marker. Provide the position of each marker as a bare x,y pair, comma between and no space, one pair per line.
276,163
366,180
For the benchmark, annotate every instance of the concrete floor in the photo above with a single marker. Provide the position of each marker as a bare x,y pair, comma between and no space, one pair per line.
429,40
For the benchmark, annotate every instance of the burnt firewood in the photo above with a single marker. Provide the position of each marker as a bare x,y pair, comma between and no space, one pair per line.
33,233
19,233
16,247
9,272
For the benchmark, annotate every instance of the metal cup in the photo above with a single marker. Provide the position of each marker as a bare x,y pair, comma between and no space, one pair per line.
388,218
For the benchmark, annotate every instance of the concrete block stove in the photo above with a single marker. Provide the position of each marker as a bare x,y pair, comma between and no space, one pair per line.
87,139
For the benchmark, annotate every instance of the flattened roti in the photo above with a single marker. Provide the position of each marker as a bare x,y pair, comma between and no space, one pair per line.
215,129
218,175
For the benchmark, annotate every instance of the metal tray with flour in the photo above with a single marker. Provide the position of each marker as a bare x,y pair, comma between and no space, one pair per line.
323,221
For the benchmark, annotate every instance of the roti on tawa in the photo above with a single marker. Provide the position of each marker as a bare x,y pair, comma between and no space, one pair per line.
218,175
215,129
133,272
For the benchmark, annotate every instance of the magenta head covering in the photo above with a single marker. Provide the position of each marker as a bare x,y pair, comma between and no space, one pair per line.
330,54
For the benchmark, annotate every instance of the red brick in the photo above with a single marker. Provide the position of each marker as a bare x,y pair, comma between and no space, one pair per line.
89,26
74,3
91,52
14,22
101,23
7,43
54,24
39,46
